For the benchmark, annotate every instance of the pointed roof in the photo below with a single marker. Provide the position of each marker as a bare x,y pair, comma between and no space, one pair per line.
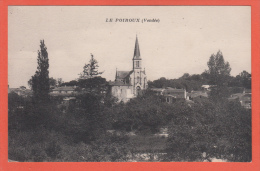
122,74
137,50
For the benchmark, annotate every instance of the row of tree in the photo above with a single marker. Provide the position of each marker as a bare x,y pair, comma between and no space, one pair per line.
218,74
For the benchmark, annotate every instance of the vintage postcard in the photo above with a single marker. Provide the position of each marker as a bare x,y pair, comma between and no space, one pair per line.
163,86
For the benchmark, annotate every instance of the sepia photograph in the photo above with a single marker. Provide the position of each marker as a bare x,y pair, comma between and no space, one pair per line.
129,84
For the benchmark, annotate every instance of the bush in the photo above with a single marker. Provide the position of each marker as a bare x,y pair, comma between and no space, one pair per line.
219,130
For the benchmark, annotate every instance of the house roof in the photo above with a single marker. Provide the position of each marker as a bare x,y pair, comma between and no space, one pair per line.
157,89
118,83
20,90
237,95
168,89
67,88
233,98
240,96
122,74
197,93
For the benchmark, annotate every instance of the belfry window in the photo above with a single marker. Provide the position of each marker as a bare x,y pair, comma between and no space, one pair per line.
137,63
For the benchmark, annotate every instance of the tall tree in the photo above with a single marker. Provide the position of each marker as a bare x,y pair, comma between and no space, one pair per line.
219,70
219,75
40,80
90,70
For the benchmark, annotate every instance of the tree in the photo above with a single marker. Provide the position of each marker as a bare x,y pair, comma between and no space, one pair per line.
219,75
242,80
30,83
59,82
219,70
245,78
185,76
70,83
96,84
220,131
22,87
40,80
53,82
90,70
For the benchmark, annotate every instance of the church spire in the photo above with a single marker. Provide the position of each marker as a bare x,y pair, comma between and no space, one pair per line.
116,74
137,50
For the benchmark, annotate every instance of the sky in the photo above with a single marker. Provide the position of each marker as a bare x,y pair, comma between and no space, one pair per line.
181,42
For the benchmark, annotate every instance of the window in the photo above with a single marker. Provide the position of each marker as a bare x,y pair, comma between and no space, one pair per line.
138,91
137,63
138,79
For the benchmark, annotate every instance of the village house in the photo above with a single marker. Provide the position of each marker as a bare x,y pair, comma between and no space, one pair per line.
207,87
171,94
21,91
130,84
64,90
244,98
193,95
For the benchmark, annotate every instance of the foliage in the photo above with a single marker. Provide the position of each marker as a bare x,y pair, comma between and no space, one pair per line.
188,82
52,82
219,76
14,101
219,94
54,147
40,80
96,84
142,114
70,83
221,131
90,70
59,82
241,80
219,70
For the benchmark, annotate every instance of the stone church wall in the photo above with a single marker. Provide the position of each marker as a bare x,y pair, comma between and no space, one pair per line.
123,93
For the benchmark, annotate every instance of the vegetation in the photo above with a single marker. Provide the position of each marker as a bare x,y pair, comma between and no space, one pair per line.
40,80
217,75
90,70
219,70
222,131
98,128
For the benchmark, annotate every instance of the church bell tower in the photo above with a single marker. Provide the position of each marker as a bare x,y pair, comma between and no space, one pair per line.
137,61
137,69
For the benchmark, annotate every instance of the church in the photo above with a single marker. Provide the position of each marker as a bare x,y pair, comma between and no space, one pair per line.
129,84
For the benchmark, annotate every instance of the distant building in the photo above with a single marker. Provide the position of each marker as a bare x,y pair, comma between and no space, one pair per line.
244,98
197,94
64,90
171,94
21,91
129,84
207,87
